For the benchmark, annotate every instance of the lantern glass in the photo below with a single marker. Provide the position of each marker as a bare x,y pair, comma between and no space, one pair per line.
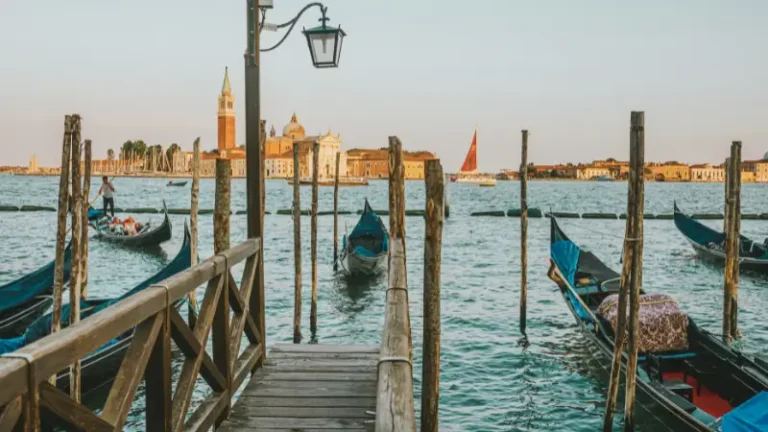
325,45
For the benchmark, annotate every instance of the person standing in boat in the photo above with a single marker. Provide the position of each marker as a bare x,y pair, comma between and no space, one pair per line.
107,192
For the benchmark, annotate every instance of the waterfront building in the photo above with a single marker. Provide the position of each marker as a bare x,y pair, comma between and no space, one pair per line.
669,171
759,167
33,165
590,172
374,163
707,173
747,176
279,166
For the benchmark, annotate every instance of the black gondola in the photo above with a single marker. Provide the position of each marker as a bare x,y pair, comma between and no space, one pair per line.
147,238
177,184
698,386
99,367
708,243
25,299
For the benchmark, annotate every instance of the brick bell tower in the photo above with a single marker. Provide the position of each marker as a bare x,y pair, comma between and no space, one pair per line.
226,114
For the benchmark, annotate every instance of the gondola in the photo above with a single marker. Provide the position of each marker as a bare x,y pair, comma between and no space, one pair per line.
25,299
708,243
99,367
177,184
94,214
366,247
150,236
696,386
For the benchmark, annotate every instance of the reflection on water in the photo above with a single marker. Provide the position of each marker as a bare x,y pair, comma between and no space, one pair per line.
489,381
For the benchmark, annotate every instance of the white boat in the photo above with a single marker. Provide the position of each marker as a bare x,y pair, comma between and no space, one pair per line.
468,172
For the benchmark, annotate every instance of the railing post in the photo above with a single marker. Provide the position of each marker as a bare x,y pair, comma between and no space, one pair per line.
61,231
74,279
433,243
158,405
86,206
192,306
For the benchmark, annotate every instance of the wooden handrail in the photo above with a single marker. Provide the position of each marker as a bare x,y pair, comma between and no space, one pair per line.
25,372
394,395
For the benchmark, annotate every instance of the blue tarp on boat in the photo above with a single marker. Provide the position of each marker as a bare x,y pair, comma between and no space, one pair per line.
751,416
32,285
565,254
94,214
370,226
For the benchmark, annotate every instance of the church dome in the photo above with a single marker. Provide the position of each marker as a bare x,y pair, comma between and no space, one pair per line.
765,156
293,129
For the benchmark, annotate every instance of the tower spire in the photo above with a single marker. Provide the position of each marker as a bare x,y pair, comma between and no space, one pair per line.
225,87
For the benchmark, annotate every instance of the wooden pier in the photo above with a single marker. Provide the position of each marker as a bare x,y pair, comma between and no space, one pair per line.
305,387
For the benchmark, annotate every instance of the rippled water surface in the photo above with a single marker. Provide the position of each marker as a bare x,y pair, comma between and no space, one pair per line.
490,381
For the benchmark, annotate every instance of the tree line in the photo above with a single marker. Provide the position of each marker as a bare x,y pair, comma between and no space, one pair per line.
153,154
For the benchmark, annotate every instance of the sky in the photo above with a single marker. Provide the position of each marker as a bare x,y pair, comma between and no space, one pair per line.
427,71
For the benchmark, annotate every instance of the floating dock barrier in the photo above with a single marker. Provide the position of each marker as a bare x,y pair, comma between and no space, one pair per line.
27,208
532,213
496,213
563,215
707,216
665,216
141,210
8,208
750,216
599,216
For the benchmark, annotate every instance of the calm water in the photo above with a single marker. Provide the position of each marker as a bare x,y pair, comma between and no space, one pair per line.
489,380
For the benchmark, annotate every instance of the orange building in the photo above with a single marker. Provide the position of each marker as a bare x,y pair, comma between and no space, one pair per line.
374,163
226,114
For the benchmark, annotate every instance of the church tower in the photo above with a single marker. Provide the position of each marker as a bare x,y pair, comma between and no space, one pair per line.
226,116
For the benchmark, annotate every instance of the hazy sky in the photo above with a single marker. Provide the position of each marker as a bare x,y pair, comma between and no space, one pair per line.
427,71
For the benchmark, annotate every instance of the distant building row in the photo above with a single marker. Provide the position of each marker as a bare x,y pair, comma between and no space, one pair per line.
752,171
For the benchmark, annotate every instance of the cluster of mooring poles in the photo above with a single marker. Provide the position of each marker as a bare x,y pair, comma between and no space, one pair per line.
73,198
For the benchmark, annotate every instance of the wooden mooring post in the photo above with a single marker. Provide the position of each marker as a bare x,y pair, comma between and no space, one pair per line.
86,206
313,226
637,145
192,306
447,205
74,275
336,214
61,228
221,319
626,270
524,232
433,244
296,246
397,209
732,244
221,211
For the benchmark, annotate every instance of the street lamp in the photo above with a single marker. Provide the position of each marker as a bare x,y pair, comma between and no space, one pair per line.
325,48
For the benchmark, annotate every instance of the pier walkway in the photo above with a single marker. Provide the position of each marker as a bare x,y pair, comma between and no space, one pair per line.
306,387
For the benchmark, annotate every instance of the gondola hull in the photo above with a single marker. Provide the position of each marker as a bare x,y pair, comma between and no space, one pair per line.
14,322
706,243
153,237
367,246
355,264
177,184
733,378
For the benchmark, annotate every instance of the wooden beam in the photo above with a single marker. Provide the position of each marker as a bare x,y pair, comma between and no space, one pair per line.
221,345
74,276
61,226
313,234
296,246
76,416
158,404
191,348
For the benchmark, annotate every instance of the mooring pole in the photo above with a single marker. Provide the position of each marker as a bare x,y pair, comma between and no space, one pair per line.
433,244
61,225
315,174
74,276
732,243
84,226
221,239
336,215
524,232
637,144
736,216
621,320
192,306
221,212
296,246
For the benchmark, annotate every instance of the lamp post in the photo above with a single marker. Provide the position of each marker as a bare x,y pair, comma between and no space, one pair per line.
325,48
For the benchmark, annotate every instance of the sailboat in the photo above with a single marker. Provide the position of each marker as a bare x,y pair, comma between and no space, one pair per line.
468,172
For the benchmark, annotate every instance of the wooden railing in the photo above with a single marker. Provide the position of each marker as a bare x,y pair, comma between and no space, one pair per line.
394,395
227,311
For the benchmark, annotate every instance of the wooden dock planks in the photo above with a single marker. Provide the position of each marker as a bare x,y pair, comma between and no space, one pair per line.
310,387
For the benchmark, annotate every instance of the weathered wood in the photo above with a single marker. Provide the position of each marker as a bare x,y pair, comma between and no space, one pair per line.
84,224
727,207
308,402
77,416
305,377
61,226
336,214
394,396
158,403
621,327
250,423
222,205
318,355
221,345
523,175
243,320
127,380
313,233
244,364
433,244
74,276
396,189
324,348
193,228
10,414
732,243
206,413
296,247
192,348
637,145
257,300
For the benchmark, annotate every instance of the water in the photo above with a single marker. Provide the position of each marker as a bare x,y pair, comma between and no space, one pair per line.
489,380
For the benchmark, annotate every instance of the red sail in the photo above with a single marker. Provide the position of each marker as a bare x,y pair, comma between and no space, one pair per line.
470,162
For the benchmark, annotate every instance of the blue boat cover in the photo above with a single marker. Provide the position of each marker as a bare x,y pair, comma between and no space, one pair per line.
751,416
565,254
369,225
42,326
94,214
32,285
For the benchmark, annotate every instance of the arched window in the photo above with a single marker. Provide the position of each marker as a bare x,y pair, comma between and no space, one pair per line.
222,104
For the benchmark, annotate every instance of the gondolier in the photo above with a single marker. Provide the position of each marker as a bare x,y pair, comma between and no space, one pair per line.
107,192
